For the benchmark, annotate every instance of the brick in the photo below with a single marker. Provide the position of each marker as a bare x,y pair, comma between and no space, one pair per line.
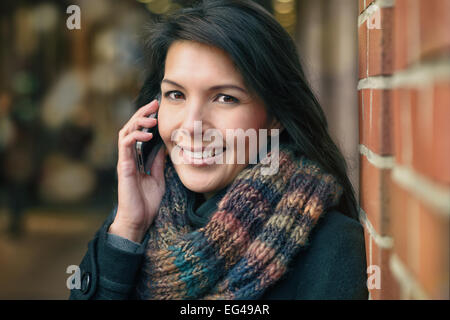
400,35
376,120
381,44
402,126
421,239
389,285
380,257
362,51
441,134
413,31
364,111
361,94
399,208
406,39
375,184
412,125
421,131
434,28
433,271
361,6
372,259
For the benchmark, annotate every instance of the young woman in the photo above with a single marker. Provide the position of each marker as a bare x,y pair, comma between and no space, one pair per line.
202,229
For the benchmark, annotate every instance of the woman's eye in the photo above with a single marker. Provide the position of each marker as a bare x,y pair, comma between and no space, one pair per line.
222,98
227,99
175,95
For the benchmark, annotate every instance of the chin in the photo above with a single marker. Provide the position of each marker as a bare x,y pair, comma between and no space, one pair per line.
197,180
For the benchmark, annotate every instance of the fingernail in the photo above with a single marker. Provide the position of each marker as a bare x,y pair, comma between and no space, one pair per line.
148,172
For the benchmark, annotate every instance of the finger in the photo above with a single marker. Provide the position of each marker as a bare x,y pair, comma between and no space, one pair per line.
147,109
144,111
142,122
127,144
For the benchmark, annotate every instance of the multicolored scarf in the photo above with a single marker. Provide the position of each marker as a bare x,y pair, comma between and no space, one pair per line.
247,244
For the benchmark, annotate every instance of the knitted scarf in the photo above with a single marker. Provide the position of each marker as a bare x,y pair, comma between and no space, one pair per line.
259,226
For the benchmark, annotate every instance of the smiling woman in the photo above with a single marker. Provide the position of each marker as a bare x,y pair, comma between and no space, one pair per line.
205,86
230,230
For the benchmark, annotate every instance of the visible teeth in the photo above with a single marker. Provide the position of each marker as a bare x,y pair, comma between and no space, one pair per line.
196,155
208,153
201,155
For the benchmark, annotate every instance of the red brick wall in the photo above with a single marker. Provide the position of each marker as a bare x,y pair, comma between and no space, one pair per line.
404,118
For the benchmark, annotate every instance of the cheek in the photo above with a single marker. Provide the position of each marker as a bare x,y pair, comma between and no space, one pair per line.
165,124
254,118
249,122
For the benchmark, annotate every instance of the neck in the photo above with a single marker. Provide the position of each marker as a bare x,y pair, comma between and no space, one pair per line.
209,195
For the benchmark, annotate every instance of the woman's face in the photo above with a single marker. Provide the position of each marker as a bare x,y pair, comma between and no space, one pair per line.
202,88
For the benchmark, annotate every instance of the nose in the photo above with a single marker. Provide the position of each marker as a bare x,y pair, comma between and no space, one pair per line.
194,122
194,117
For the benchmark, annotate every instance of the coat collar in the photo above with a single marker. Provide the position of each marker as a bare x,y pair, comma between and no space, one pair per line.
199,211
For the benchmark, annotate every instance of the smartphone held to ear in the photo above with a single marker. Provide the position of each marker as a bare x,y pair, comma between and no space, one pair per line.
146,150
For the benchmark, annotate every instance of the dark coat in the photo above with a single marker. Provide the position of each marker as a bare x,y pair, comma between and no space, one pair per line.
332,266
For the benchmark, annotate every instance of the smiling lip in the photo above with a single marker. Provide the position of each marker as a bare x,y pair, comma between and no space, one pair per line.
201,149
199,162
205,150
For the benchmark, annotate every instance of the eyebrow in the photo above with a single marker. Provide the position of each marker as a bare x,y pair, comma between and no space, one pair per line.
221,86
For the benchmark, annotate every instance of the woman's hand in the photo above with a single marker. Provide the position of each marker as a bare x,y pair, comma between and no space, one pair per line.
139,194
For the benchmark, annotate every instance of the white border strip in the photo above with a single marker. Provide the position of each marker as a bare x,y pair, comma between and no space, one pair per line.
429,192
381,162
378,82
418,75
409,286
422,74
384,242
372,8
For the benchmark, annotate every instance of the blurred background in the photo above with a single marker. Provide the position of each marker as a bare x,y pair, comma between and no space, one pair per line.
65,94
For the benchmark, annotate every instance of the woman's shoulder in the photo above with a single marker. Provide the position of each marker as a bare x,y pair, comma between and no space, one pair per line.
339,227
331,266
336,240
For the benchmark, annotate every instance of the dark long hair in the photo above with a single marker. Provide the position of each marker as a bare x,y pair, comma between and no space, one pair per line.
267,58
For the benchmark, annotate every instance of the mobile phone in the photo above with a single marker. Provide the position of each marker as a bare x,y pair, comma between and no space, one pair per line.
146,150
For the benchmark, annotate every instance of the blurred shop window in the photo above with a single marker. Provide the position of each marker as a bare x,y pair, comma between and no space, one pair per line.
65,94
